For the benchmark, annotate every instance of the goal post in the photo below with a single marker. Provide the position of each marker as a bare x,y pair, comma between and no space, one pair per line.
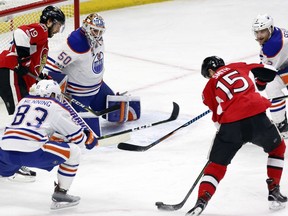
14,13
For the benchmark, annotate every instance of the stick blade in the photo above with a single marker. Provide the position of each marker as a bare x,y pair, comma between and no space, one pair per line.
166,207
130,147
175,112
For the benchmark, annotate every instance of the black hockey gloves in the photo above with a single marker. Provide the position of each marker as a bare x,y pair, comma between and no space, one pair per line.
21,70
260,84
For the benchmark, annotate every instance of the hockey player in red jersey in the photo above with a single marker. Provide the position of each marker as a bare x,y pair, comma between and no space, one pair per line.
27,53
239,112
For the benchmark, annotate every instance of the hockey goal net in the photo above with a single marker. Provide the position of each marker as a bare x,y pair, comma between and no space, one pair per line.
14,13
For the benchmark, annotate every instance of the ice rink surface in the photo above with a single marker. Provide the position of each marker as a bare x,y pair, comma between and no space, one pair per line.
155,52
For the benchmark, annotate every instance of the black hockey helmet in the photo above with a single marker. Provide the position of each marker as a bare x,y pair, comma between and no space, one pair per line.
212,62
53,13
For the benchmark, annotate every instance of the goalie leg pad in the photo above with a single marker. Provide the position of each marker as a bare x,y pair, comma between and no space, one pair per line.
134,108
119,115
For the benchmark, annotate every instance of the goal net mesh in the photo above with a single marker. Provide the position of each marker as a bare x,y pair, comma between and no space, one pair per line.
22,12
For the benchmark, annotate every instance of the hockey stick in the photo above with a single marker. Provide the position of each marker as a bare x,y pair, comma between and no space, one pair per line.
78,103
131,147
174,115
278,98
174,207
96,113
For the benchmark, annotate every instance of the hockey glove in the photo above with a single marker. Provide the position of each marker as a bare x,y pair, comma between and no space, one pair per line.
44,76
261,85
91,140
21,70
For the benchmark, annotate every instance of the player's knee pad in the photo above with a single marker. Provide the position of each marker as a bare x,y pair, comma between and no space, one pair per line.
92,121
75,154
130,108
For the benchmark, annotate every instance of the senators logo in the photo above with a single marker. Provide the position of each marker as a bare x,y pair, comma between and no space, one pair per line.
42,61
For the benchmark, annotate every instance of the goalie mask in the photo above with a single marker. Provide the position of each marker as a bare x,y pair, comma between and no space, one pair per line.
94,27
48,88
212,62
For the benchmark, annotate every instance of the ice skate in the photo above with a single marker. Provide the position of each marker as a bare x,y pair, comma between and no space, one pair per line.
276,200
61,199
23,175
200,205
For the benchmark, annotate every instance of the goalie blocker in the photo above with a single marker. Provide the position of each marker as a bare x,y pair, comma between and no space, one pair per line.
130,108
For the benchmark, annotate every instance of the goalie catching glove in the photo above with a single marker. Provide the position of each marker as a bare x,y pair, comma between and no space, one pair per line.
91,140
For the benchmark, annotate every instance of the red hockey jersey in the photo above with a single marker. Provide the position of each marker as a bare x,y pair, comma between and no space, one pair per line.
231,95
34,36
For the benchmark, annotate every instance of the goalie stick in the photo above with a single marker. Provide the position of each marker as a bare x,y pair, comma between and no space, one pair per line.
174,207
96,113
78,103
174,115
131,147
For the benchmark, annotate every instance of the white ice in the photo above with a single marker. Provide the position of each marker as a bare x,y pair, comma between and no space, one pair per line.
155,52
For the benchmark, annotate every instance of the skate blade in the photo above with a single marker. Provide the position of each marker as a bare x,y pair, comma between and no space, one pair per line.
196,212
275,205
62,205
21,178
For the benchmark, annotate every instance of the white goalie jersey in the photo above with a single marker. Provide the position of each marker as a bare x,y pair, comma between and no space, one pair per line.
82,62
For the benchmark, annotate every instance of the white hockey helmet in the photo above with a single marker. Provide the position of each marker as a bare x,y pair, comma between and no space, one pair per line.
263,21
94,26
48,88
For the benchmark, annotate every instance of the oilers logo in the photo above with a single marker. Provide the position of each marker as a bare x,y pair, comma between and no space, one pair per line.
98,63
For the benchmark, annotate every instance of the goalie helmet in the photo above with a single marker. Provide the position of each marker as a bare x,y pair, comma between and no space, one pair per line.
263,21
53,13
212,62
48,88
94,27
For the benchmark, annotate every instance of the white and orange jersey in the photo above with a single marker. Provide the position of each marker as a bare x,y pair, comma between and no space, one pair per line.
83,63
35,120
274,52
